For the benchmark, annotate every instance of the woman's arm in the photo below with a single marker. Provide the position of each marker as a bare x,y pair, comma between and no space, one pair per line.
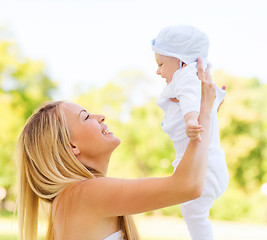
105,197
194,162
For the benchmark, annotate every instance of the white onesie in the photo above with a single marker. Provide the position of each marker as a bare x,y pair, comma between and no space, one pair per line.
186,87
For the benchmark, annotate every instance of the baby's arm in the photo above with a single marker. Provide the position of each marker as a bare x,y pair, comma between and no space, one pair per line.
193,129
188,90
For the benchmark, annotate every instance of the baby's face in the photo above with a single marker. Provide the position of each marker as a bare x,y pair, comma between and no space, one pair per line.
167,66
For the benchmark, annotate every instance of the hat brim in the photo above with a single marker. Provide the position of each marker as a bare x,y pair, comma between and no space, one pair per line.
165,53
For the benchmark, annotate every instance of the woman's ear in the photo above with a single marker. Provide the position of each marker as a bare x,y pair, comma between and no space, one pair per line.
75,150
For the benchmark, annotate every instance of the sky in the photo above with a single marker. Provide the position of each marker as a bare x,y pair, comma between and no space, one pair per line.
89,42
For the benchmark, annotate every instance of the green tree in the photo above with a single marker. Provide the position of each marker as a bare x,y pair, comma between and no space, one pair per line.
146,151
243,129
148,148
133,115
24,85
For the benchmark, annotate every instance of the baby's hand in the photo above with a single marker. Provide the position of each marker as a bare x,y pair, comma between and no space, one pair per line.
193,130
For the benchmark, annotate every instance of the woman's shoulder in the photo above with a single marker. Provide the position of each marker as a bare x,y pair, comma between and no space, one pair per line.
69,208
74,193
85,195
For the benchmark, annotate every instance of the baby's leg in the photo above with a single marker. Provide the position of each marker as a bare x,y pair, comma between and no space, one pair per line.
196,212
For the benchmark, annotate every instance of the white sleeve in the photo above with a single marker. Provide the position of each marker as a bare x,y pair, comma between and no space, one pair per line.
220,94
187,88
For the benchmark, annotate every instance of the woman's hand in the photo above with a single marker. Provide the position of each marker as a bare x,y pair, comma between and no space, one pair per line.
208,88
208,91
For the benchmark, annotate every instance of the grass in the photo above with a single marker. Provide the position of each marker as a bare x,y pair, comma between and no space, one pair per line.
8,237
163,228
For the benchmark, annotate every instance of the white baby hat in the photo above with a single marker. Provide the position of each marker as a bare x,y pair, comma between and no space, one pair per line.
184,42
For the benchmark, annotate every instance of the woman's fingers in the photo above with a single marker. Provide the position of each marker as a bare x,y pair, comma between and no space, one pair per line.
207,74
200,72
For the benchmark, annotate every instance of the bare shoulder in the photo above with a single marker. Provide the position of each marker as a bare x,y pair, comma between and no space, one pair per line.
107,197
72,214
85,196
76,197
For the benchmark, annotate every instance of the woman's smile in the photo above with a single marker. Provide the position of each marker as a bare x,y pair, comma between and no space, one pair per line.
106,131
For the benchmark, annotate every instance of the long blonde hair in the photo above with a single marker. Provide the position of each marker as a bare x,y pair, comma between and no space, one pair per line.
47,166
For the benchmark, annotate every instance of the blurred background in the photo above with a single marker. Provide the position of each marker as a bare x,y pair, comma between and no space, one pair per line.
97,53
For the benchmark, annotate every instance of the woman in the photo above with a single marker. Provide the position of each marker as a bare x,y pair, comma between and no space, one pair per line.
64,153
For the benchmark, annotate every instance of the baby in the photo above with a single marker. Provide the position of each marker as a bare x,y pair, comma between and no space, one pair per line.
177,49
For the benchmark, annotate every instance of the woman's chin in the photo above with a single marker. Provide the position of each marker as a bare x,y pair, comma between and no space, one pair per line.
118,141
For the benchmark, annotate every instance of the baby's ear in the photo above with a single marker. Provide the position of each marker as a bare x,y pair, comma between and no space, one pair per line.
184,64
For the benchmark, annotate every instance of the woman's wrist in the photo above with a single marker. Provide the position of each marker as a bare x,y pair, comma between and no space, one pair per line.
204,118
204,111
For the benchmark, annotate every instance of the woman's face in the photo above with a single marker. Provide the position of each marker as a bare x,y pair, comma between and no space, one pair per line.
90,136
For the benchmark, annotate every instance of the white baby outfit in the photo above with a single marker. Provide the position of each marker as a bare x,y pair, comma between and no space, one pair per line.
186,87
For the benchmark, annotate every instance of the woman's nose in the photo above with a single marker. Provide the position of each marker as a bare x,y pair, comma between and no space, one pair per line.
100,118
158,72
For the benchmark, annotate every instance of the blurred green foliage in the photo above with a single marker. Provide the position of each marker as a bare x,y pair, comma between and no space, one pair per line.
244,130
23,86
132,114
147,151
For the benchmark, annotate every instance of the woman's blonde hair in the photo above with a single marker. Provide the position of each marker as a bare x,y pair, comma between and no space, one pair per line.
47,166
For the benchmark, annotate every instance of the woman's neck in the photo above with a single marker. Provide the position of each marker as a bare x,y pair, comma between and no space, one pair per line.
100,163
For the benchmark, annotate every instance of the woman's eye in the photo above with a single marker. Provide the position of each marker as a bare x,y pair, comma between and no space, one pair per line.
87,117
